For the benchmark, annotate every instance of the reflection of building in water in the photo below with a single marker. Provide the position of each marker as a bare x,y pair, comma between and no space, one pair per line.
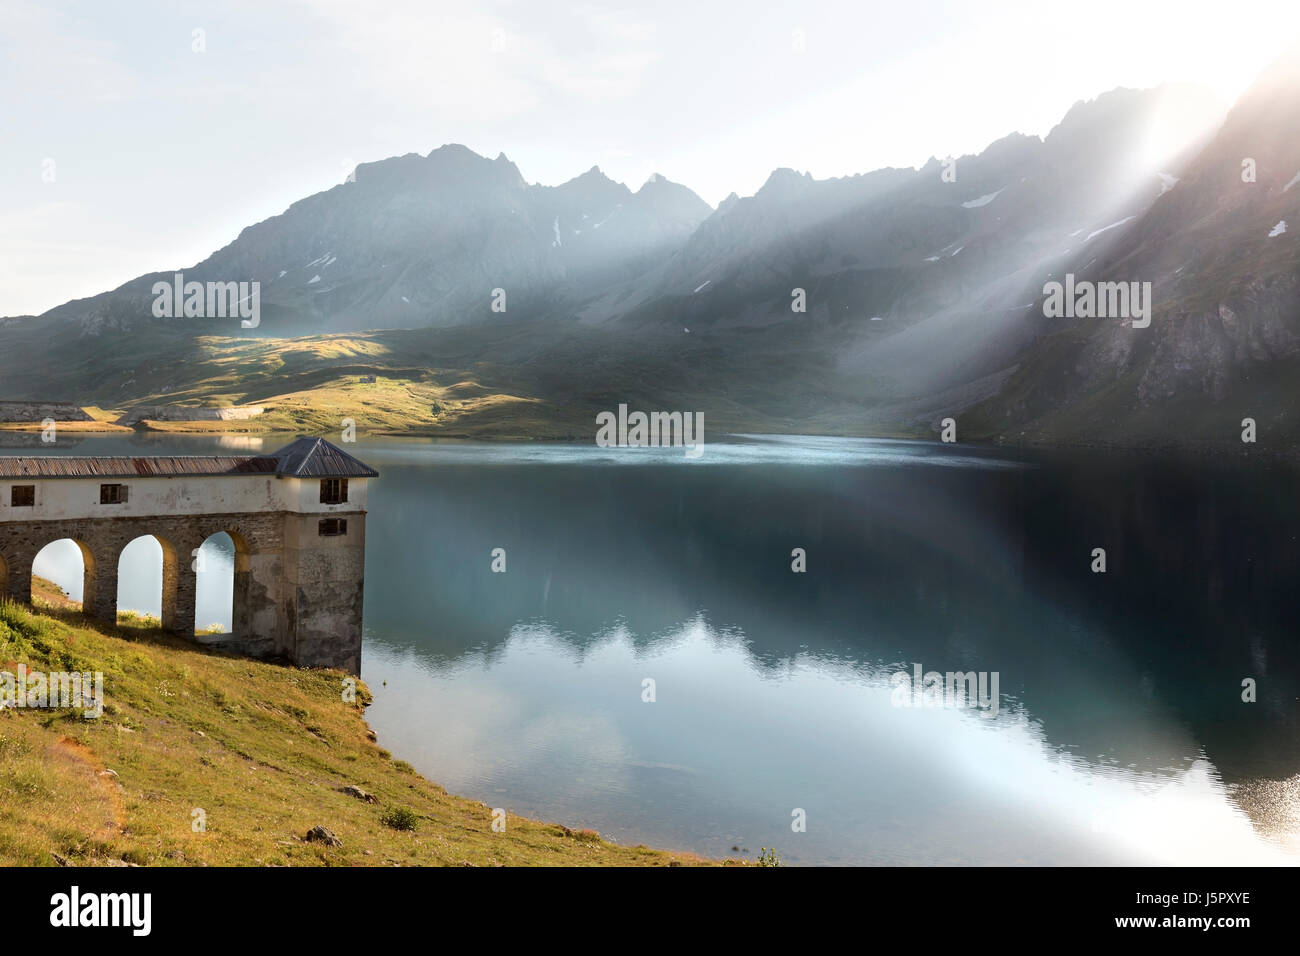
241,442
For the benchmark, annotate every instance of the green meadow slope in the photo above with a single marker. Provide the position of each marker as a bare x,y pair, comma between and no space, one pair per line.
508,381
262,753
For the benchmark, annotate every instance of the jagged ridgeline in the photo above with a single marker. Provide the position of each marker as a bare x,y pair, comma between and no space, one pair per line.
872,304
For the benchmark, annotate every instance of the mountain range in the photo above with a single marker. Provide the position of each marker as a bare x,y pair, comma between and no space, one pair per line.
870,304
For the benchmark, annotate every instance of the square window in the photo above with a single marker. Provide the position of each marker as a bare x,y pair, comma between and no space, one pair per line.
333,491
332,527
112,494
23,496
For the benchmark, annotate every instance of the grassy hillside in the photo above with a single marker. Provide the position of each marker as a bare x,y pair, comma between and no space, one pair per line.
265,751
507,380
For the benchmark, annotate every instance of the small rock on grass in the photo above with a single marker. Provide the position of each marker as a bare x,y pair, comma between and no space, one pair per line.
352,790
322,835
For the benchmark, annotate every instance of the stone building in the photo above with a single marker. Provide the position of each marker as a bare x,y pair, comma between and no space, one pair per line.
297,518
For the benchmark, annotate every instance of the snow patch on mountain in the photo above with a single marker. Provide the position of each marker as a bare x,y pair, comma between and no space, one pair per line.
1167,182
1278,230
982,201
555,227
1114,225
617,207
314,279
701,285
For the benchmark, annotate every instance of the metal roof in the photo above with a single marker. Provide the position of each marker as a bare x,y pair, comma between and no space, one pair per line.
304,458
317,458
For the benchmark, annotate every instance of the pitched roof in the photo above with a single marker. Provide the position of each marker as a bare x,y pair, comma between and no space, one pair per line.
304,458
317,458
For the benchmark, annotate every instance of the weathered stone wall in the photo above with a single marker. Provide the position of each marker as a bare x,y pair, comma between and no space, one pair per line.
324,580
297,595
78,498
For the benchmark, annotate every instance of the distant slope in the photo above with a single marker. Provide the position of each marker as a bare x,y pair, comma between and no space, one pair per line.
1224,342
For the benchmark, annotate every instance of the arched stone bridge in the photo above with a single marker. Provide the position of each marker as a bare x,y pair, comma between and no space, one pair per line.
297,519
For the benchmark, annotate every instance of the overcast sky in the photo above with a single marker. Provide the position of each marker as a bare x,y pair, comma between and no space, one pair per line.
159,154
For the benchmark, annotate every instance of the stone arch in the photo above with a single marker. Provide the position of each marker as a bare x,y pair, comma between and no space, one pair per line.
246,541
241,607
241,576
240,538
92,591
170,598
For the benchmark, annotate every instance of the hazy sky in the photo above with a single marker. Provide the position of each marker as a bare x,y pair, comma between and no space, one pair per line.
161,154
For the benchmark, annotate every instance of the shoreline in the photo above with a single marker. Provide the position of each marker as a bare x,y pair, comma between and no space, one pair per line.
265,751
1195,448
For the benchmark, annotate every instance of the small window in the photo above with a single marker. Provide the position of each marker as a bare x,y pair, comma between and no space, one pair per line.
333,491
112,494
332,527
23,496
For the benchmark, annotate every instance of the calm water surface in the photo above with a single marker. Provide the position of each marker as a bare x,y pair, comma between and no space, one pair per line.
1120,736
